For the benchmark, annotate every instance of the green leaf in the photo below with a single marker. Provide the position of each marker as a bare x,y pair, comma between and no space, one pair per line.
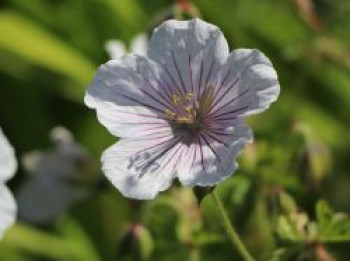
36,242
333,227
35,45
323,213
286,229
129,14
162,217
288,204
284,254
78,240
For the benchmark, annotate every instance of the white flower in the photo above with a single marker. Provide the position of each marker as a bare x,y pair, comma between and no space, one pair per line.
116,49
8,166
179,112
54,182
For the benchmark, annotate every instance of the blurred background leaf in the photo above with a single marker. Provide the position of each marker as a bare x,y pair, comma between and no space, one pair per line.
49,51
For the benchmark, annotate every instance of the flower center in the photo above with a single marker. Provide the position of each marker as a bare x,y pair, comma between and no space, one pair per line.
188,113
183,113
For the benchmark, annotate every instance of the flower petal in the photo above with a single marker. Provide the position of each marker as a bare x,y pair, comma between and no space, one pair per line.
8,209
45,197
191,52
139,44
8,163
129,98
142,168
115,49
212,158
247,84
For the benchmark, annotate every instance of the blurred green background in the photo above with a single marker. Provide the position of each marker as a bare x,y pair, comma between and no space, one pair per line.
290,179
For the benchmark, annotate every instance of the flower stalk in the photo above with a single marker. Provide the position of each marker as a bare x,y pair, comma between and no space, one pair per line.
232,234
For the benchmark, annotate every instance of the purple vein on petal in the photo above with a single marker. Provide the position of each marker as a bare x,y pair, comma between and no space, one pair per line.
210,147
164,164
178,72
141,114
221,117
166,99
154,135
194,154
156,100
140,122
173,80
142,103
210,72
162,153
157,145
229,102
229,88
143,92
202,155
200,76
191,73
217,139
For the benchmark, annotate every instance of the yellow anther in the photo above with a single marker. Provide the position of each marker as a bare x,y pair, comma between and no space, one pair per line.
188,96
170,114
184,119
176,99
185,112
188,109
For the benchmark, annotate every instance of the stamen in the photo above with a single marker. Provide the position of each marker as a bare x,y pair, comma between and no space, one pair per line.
188,96
170,114
184,111
176,99
188,109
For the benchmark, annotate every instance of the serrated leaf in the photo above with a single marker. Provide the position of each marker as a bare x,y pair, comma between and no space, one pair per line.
286,229
333,227
323,213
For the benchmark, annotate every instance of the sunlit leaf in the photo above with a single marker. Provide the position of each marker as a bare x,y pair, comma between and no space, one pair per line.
78,240
333,227
34,44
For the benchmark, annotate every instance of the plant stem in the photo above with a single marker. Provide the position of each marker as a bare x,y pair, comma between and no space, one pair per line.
232,234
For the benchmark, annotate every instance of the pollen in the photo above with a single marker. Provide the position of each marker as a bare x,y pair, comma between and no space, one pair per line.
188,109
188,96
176,99
182,111
170,114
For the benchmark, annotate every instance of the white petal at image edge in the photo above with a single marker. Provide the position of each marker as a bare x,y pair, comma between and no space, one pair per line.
8,209
8,163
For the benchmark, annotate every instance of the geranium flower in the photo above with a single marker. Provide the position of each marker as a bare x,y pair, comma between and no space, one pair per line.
116,48
56,181
179,111
8,166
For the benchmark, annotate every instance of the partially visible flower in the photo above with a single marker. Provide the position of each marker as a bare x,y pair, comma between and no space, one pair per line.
8,166
179,112
56,180
116,49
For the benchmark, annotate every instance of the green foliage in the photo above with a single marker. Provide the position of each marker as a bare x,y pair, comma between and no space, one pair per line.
35,45
49,51
332,226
